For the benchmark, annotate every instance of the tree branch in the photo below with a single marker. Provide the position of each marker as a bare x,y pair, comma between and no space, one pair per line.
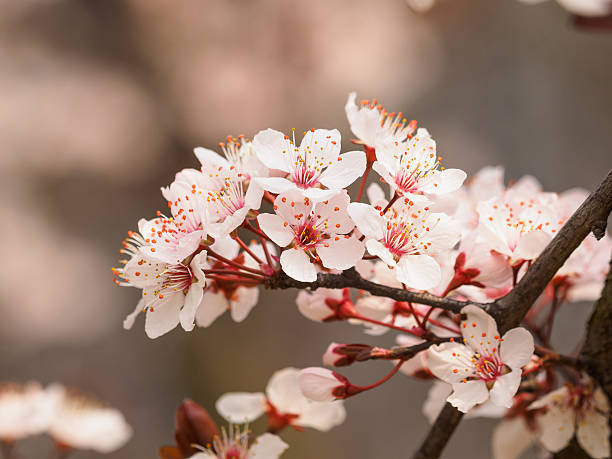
597,354
351,278
509,310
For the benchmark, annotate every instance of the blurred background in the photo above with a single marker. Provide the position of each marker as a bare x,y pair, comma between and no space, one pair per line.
102,102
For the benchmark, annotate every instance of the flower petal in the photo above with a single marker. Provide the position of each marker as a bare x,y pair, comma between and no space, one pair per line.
517,348
275,228
593,434
210,158
332,214
165,316
297,264
450,362
274,184
467,394
557,426
479,330
344,170
530,245
269,146
267,446
505,388
241,407
420,272
367,219
128,322
377,249
246,300
213,305
340,252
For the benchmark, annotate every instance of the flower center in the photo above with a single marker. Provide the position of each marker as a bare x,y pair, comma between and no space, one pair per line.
488,368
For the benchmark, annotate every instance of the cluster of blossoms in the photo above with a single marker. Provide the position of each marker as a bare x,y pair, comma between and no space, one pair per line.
74,421
425,229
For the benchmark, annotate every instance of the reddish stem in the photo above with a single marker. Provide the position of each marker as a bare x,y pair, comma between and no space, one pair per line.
228,272
382,381
233,263
260,233
247,250
364,179
384,324
235,280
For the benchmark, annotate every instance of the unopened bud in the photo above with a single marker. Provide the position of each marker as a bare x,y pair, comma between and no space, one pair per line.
194,426
323,385
340,355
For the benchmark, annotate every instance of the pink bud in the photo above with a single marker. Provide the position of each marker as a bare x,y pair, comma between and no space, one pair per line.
322,385
331,358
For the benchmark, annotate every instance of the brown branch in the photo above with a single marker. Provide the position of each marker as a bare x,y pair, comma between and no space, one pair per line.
351,278
510,310
597,354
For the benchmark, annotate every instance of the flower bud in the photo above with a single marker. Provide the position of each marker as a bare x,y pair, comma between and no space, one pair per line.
193,426
322,385
340,355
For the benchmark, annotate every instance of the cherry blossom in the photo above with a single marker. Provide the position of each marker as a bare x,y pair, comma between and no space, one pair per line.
411,166
84,423
406,237
235,445
316,162
171,293
284,405
229,198
521,223
486,366
370,121
238,155
582,410
312,232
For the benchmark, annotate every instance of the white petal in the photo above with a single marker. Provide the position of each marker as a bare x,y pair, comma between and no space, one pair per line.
530,245
324,143
296,264
193,299
241,407
557,426
505,387
444,181
128,322
274,184
253,196
479,330
332,214
294,207
342,253
269,146
165,316
420,272
593,434
226,247
443,359
377,249
318,194
275,228
517,348
367,219
384,173
246,300
213,305
466,395
210,158
364,121
318,384
267,446
511,437
344,170
375,194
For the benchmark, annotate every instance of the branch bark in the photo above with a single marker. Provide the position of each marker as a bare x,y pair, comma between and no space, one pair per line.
597,354
351,278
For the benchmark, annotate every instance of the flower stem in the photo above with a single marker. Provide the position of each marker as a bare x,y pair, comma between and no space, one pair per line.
364,179
214,254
